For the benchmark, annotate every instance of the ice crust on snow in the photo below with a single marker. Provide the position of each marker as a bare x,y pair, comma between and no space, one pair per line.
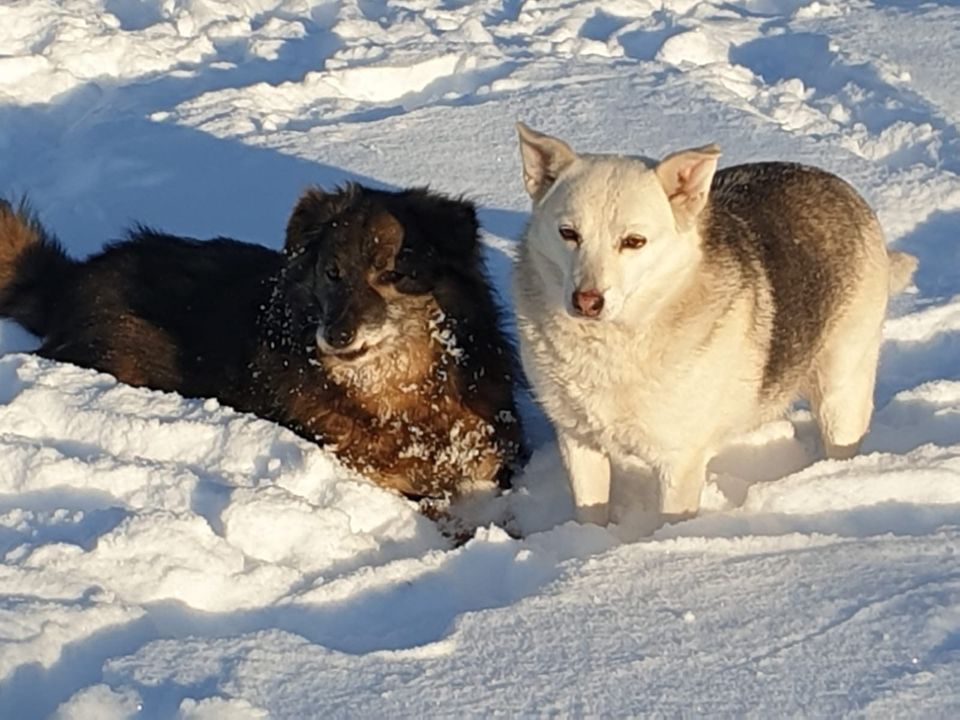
165,557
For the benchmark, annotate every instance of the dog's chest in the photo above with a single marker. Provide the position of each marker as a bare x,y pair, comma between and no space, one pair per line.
403,422
593,383
628,392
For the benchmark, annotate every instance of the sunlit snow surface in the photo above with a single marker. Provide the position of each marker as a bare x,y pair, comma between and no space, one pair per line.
165,557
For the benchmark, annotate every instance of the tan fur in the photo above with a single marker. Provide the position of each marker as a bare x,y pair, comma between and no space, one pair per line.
15,237
400,418
379,380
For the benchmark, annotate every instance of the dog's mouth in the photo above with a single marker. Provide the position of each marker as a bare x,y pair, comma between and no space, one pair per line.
349,355
366,347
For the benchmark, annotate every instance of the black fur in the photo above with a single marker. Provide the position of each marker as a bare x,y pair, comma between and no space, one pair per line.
221,318
759,222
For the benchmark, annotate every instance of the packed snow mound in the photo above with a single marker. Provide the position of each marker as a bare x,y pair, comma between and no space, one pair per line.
167,557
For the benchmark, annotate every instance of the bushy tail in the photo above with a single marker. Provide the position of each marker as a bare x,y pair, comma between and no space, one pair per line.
902,267
34,269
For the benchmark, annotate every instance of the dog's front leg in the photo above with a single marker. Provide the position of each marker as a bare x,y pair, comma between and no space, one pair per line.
589,473
681,480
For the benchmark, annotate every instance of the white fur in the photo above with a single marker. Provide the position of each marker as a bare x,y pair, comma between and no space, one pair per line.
658,374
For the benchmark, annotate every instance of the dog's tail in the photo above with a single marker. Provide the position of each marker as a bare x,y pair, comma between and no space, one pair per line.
34,269
902,267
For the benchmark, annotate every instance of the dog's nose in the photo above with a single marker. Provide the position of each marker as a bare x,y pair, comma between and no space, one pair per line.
588,303
340,337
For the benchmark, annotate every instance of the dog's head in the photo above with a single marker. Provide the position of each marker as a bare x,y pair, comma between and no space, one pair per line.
618,231
360,260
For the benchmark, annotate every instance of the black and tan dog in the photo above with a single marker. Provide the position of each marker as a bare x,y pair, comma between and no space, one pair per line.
373,333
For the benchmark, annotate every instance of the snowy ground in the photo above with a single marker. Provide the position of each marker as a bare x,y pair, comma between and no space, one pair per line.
165,557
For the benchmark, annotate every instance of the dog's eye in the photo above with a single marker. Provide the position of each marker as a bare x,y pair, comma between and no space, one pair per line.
569,234
332,272
633,242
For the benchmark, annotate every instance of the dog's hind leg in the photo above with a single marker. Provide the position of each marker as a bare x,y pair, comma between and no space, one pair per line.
844,370
589,473
841,396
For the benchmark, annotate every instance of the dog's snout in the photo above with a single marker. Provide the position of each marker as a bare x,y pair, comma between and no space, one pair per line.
340,337
588,303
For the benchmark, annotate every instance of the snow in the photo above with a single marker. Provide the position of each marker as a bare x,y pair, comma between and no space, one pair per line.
166,557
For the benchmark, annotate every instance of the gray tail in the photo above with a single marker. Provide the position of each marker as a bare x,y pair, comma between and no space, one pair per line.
902,267
33,268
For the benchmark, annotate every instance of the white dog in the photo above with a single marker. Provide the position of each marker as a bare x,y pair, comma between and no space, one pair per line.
663,309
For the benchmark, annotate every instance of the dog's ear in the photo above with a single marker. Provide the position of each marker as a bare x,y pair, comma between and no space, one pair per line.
544,158
313,210
686,177
450,223
440,238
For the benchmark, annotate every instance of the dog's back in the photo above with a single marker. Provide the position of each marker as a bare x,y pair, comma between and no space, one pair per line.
154,310
797,236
